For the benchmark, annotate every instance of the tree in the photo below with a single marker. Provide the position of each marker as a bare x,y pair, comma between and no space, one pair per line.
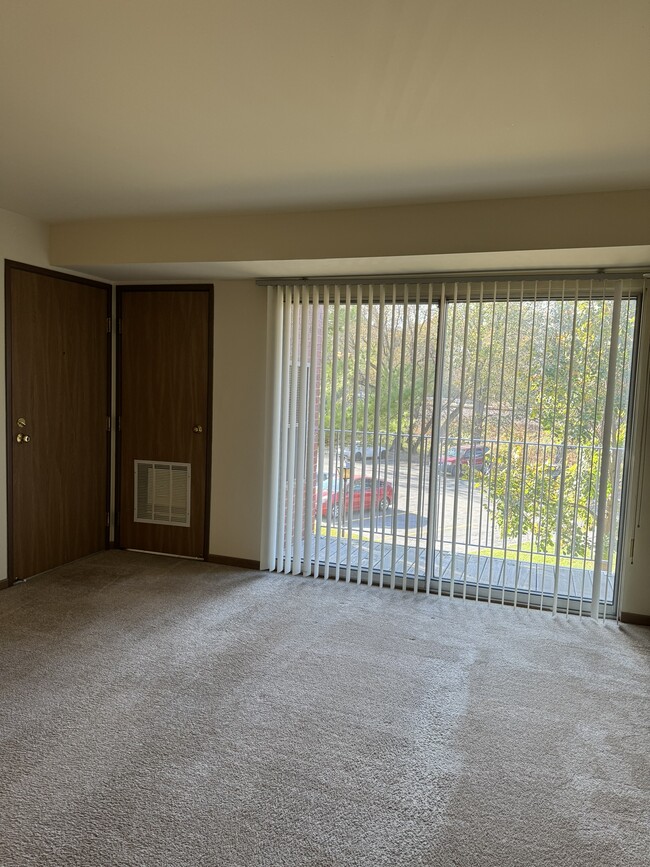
526,377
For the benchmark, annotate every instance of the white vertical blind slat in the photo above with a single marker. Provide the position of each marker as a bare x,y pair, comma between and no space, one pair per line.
398,440
283,486
321,383
389,406
433,509
461,437
513,399
581,465
364,443
442,446
600,384
502,377
491,467
606,455
541,450
507,446
272,446
524,452
487,477
624,417
469,512
302,375
291,455
454,508
409,466
353,435
424,450
563,471
344,436
376,460
332,465
310,305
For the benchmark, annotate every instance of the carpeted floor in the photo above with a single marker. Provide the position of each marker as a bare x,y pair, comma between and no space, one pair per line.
166,712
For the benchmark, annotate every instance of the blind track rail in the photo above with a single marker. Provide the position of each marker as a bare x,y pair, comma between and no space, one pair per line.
441,278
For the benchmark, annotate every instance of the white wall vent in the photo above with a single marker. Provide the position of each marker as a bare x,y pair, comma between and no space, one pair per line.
162,493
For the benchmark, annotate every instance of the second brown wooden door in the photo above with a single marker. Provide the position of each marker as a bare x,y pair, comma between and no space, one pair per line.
164,417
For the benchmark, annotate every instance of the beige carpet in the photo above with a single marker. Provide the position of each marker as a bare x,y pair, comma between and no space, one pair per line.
165,712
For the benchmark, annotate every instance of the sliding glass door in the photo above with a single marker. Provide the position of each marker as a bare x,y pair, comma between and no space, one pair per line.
465,438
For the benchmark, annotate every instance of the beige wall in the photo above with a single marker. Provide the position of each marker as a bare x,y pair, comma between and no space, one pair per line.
541,223
636,575
238,419
22,240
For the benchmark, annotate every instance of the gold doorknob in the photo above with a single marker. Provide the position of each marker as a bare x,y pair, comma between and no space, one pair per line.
197,428
23,438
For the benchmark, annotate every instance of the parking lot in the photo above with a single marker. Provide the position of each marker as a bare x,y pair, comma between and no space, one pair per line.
469,548
460,506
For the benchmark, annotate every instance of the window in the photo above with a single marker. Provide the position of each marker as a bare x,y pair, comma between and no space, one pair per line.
465,438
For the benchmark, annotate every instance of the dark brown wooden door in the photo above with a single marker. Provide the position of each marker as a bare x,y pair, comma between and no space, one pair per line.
164,385
58,407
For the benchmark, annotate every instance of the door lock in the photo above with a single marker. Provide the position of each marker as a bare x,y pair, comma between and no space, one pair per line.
21,422
197,428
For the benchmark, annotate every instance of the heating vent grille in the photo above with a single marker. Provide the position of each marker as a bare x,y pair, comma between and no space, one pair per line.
162,493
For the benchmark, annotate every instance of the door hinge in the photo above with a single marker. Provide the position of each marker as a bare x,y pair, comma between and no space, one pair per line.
108,519
109,324
119,422
119,326
108,423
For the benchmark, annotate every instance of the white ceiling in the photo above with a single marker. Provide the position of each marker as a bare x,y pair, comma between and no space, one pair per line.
147,107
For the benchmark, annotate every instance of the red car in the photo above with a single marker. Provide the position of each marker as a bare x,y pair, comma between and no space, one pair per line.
361,493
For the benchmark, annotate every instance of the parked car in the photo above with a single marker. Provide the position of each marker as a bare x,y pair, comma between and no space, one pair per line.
453,461
335,499
370,452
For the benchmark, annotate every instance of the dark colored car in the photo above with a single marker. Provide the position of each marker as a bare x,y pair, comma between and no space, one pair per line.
334,500
453,461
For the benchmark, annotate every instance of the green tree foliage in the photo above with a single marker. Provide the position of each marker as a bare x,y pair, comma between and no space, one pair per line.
525,376
538,397
534,506
387,360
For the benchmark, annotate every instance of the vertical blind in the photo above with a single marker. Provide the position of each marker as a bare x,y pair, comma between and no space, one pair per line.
466,437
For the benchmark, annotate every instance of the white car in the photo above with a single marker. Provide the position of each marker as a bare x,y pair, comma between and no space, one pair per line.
370,452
